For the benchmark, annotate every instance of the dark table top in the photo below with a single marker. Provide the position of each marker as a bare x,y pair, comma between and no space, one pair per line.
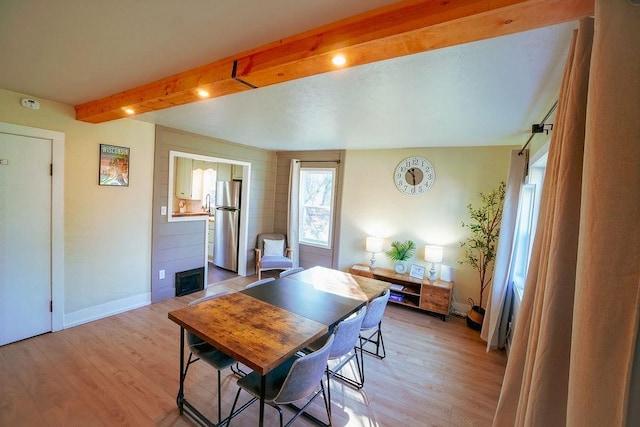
304,299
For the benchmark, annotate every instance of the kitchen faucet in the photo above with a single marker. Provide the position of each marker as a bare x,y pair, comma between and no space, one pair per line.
207,201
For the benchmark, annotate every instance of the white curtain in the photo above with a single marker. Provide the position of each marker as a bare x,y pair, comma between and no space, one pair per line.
573,358
494,326
293,210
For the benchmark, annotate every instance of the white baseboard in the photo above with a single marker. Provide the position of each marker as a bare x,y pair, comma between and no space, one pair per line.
105,310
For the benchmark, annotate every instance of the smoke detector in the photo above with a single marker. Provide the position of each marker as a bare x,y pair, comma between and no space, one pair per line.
29,103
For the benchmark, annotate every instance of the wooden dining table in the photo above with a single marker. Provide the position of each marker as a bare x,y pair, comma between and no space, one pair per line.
263,326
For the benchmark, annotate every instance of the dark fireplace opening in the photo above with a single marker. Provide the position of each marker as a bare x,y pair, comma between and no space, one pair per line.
189,281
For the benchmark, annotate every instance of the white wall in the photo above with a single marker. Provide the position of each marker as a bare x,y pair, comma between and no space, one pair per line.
371,205
107,234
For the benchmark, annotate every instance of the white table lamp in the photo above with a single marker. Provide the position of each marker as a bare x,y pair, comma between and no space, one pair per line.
373,245
433,254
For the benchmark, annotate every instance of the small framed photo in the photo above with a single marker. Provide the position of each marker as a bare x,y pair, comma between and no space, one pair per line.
417,271
114,165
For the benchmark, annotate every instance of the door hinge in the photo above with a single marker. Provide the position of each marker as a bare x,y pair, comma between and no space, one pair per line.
50,306
51,169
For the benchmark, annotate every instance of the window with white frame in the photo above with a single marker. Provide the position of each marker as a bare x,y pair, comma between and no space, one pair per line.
523,237
528,209
316,206
204,186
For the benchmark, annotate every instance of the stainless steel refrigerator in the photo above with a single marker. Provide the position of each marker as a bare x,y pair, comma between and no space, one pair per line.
227,225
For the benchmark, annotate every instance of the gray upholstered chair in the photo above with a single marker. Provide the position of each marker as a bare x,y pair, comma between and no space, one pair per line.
296,379
201,350
291,271
371,329
260,282
344,349
272,253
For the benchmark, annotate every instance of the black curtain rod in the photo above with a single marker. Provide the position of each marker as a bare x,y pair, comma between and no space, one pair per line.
553,108
319,161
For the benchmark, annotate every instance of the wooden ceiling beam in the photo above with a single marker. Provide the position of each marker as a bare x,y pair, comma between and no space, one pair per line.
392,31
169,92
404,29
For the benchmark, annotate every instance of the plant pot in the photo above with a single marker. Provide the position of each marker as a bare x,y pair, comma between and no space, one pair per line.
400,267
475,316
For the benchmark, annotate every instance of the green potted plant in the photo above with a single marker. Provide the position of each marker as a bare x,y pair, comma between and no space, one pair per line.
400,252
480,246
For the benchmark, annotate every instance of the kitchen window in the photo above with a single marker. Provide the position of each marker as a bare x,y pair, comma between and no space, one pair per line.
317,188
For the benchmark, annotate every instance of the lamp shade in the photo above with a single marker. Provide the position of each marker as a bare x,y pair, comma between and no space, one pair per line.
374,244
433,254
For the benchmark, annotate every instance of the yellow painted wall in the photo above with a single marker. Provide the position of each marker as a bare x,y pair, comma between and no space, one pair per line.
372,205
107,235
108,229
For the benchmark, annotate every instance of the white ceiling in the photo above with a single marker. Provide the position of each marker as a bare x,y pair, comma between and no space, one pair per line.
482,93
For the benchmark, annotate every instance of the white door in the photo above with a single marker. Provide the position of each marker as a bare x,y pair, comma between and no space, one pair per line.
25,237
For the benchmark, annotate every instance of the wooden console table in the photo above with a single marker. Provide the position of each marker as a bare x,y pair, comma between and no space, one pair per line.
432,296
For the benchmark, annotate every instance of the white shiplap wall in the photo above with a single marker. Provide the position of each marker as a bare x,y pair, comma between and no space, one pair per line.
179,246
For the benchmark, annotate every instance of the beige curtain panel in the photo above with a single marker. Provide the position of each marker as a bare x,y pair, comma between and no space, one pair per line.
572,359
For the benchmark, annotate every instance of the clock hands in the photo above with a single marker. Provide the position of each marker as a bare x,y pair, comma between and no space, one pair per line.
413,175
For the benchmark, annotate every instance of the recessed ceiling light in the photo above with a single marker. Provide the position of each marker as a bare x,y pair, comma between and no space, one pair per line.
129,111
203,93
339,60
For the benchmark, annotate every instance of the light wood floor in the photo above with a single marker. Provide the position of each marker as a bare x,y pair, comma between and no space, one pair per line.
217,274
123,370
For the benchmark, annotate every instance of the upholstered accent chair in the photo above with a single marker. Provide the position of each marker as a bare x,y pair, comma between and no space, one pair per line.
272,253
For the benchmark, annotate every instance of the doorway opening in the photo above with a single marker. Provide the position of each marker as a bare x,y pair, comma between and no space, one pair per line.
237,171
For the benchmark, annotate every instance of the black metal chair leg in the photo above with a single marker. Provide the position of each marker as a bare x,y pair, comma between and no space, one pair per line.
237,370
360,366
281,416
219,400
362,361
358,382
327,399
378,341
233,407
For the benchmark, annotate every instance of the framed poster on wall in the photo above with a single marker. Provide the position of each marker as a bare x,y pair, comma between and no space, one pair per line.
114,165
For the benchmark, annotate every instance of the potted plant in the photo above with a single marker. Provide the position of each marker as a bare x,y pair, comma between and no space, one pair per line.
480,246
400,252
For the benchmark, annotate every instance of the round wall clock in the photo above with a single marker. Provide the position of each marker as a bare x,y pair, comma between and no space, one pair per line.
414,176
